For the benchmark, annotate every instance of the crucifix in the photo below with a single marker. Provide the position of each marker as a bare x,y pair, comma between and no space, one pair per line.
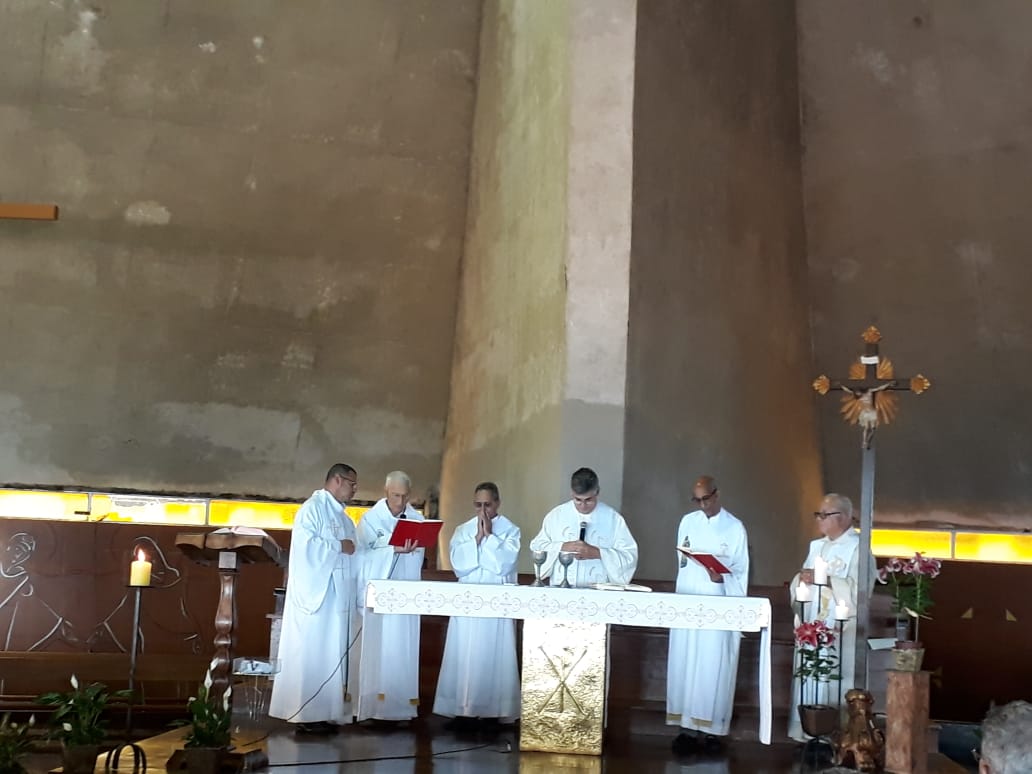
868,402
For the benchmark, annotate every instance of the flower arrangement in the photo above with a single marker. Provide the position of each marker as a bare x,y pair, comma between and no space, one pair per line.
77,719
15,744
209,717
911,581
815,643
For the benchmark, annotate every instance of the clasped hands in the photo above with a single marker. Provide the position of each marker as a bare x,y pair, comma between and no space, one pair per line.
581,550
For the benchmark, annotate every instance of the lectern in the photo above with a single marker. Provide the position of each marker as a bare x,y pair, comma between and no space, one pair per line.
228,551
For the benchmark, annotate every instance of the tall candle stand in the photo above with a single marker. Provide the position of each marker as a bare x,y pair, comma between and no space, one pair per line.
139,757
813,746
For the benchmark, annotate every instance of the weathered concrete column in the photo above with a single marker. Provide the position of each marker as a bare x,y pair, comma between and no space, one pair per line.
539,371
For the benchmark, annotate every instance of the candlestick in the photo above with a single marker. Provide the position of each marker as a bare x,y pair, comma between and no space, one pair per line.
841,611
140,571
802,592
820,571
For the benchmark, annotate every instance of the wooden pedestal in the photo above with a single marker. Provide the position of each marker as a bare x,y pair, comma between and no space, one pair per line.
906,734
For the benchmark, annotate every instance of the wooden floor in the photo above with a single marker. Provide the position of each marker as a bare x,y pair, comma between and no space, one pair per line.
426,747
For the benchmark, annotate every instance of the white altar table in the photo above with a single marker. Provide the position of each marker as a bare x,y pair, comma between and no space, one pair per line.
582,605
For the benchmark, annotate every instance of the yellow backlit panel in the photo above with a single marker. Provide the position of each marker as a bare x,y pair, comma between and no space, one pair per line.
989,547
901,542
21,504
141,509
355,511
246,513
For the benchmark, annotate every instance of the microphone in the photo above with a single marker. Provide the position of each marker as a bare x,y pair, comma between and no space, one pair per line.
583,529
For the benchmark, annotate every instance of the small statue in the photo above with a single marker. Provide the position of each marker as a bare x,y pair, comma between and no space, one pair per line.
861,745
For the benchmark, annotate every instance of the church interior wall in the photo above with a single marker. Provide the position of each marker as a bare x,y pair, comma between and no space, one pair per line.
719,360
255,268
918,148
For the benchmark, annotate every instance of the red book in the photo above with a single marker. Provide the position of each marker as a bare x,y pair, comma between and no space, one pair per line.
709,561
423,533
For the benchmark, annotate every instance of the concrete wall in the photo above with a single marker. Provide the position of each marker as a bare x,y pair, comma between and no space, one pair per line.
916,120
539,373
718,357
256,265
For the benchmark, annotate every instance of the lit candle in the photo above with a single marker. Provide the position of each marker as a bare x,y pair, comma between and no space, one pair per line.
820,571
802,592
139,571
841,611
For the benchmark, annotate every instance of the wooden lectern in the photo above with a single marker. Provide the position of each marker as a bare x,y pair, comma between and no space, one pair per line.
227,551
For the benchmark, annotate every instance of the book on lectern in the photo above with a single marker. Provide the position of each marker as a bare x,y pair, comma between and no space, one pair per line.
709,561
423,533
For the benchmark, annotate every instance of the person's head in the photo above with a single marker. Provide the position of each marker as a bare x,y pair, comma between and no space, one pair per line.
1007,739
835,515
341,482
486,499
396,491
584,487
706,495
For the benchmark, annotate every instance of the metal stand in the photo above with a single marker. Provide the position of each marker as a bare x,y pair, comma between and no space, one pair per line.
139,757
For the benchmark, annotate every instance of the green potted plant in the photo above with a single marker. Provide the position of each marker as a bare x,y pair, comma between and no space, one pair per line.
818,663
77,720
911,584
15,744
209,735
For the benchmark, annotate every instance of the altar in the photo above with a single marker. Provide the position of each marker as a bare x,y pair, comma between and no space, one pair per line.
565,643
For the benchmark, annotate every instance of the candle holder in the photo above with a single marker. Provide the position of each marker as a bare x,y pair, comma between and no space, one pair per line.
139,757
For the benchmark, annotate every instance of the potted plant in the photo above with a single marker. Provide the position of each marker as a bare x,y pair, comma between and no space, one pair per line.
15,744
209,735
77,721
818,663
911,584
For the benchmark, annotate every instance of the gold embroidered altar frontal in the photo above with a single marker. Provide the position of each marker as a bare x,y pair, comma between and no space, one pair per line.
564,686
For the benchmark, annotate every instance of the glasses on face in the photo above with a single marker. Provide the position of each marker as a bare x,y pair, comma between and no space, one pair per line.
352,481
705,498
822,515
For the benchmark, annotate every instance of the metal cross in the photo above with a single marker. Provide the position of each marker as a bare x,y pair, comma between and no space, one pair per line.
869,402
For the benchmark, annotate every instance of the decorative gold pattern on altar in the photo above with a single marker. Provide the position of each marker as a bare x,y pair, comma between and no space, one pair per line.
558,763
564,686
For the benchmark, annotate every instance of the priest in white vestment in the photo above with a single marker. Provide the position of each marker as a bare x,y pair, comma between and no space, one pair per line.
839,551
703,665
319,619
595,535
479,676
389,665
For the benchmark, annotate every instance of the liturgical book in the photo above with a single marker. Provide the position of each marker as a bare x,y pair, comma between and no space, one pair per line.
422,533
709,561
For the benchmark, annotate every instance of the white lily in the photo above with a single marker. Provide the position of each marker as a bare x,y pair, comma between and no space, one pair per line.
226,696
207,680
67,727
32,720
75,683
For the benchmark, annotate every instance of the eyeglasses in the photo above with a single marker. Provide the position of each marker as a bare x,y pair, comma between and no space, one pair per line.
822,515
352,481
704,498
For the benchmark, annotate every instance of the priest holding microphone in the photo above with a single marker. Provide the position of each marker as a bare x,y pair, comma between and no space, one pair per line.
589,531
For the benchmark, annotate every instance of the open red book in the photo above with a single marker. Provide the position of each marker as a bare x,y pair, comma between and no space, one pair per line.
423,533
709,561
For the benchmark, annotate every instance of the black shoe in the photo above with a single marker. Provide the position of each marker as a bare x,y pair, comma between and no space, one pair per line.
460,724
712,744
318,728
685,743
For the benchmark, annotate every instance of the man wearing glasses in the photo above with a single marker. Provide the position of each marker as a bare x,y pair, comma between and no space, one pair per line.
837,551
319,623
703,665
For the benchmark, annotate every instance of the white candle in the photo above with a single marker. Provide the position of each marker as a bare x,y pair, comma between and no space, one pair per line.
139,571
820,571
841,611
802,592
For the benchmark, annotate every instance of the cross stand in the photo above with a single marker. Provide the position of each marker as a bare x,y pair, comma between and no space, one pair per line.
870,401
139,757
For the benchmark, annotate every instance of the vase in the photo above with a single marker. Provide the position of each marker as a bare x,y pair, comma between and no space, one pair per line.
79,758
818,719
907,656
203,760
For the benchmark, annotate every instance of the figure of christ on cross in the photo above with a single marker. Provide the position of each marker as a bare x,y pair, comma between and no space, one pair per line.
869,402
